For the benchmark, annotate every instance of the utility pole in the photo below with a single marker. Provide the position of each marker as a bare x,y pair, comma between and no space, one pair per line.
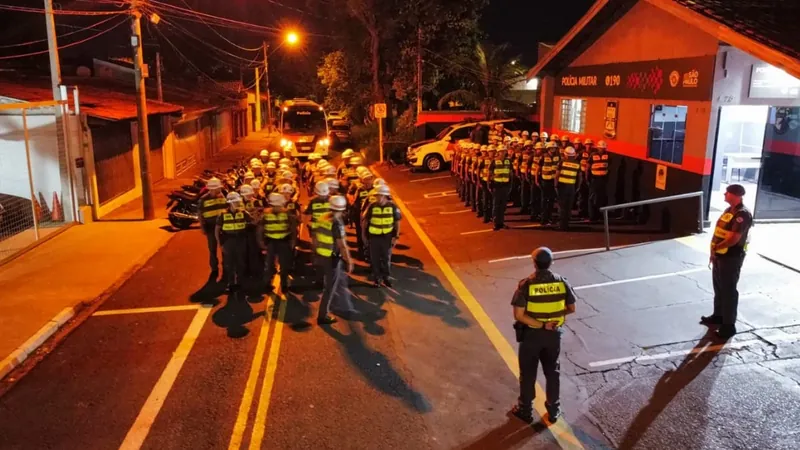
266,86
141,110
419,69
258,101
158,77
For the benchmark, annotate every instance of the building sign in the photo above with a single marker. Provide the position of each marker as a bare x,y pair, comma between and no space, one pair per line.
661,177
768,81
674,79
610,129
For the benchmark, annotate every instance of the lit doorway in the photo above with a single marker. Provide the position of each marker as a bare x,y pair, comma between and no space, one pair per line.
740,143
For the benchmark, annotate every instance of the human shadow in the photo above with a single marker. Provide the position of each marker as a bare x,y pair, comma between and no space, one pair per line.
509,435
209,292
297,313
377,369
424,293
409,261
669,386
234,315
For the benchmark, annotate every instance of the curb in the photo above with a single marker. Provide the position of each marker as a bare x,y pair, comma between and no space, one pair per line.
68,319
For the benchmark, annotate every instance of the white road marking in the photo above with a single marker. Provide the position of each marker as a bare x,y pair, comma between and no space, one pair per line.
449,193
420,180
147,416
710,348
155,309
648,277
406,169
561,252
455,212
476,232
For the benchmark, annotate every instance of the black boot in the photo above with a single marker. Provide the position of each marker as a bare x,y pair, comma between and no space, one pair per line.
522,413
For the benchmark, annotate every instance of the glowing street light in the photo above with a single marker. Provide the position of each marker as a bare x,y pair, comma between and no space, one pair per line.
292,38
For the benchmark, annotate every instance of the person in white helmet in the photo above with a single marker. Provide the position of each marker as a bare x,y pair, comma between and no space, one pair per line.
356,196
254,207
231,231
212,204
381,227
567,182
277,234
332,257
550,162
318,206
583,192
264,156
346,155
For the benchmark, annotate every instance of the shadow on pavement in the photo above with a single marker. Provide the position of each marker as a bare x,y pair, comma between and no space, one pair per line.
209,292
377,369
507,436
424,293
669,386
234,315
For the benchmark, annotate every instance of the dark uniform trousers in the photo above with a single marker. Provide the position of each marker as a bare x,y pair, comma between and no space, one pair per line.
500,197
282,251
725,276
525,196
211,240
254,259
566,198
598,196
514,190
545,346
583,199
548,200
234,255
487,202
335,296
535,201
380,255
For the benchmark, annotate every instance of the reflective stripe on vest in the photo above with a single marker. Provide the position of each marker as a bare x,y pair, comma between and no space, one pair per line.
569,172
547,302
214,206
599,165
549,166
723,230
502,171
584,161
324,237
318,209
232,224
276,226
382,220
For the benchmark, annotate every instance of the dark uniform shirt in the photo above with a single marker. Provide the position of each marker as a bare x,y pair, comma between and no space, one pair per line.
338,232
735,219
520,298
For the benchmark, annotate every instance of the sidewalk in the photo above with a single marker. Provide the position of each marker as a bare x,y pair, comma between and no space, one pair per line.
44,288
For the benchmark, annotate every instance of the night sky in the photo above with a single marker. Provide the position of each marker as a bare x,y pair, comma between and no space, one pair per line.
523,23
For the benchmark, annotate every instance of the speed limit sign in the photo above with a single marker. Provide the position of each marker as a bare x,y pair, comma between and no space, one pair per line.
380,110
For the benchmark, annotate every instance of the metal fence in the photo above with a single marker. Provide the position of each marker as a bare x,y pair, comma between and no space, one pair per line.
36,189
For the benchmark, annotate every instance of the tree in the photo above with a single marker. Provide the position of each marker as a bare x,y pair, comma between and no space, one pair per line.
491,74
334,77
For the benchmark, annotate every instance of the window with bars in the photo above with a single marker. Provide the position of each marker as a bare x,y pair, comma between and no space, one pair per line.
667,133
573,115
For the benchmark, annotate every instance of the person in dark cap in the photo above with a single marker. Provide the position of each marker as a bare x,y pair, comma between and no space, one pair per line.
541,303
728,249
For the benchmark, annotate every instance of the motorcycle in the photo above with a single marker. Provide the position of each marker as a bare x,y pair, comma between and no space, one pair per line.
184,208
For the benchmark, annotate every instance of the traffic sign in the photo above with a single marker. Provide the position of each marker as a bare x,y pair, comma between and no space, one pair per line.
380,110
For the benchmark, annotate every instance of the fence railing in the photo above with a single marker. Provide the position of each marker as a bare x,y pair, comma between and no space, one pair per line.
651,201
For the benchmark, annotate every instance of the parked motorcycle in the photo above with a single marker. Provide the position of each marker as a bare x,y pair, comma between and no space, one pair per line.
184,208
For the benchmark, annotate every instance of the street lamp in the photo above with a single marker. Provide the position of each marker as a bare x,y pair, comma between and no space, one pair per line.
291,38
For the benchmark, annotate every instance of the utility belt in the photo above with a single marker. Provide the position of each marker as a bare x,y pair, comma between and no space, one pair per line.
521,330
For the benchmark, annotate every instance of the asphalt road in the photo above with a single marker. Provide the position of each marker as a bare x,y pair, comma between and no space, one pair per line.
171,362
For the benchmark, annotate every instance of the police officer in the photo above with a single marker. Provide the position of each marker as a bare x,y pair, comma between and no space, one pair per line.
381,227
330,256
212,204
535,137
231,231
536,181
500,184
728,249
253,206
525,178
317,207
514,154
598,180
583,191
568,183
485,194
264,156
564,143
550,161
356,196
541,303
277,234
477,205
545,138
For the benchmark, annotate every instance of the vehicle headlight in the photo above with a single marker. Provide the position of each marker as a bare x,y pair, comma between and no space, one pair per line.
284,142
323,142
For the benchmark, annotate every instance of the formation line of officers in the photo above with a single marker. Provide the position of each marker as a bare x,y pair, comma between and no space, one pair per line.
534,172
256,221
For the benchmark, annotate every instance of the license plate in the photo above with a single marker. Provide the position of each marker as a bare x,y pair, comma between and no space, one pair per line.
305,148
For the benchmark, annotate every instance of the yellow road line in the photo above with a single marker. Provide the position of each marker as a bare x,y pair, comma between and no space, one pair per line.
155,309
560,430
144,421
260,424
252,382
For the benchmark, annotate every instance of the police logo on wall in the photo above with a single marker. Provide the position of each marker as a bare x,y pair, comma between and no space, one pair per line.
674,78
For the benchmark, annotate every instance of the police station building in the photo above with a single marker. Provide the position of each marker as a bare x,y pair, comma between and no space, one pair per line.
690,96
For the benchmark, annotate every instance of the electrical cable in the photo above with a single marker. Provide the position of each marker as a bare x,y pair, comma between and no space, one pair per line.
71,44
218,19
221,51
90,27
58,11
256,49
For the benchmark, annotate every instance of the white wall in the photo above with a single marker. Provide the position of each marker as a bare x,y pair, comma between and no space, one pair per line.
44,156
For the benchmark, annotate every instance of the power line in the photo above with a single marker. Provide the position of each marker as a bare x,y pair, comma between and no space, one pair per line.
71,44
256,49
90,27
221,51
212,18
59,11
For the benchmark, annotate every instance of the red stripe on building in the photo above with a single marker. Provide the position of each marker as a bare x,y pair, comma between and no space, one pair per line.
784,147
691,163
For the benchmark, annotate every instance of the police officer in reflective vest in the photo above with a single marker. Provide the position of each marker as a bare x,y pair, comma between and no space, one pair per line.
381,225
550,162
568,182
317,207
500,183
598,180
356,196
231,233
541,303
330,255
583,192
485,203
525,178
277,233
728,249
212,204
536,181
